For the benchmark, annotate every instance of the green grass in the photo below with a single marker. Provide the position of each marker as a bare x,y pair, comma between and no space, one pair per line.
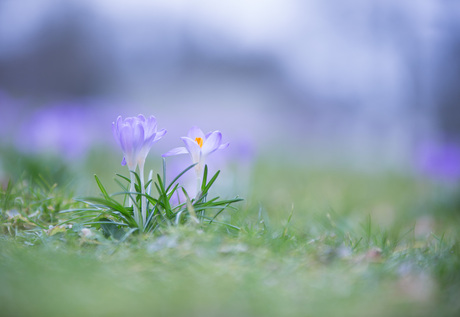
312,243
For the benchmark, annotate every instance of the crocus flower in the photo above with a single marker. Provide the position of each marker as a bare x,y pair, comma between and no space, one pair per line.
199,145
136,135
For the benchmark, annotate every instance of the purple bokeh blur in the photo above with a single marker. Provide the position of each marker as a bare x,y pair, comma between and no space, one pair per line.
439,160
360,83
63,129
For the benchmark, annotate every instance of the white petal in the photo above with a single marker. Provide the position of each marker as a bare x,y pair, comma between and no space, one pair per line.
193,148
176,151
212,143
223,146
196,132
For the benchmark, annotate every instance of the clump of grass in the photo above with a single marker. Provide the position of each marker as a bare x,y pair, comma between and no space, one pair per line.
32,203
285,260
119,218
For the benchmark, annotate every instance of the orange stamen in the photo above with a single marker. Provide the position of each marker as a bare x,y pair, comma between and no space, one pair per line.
199,141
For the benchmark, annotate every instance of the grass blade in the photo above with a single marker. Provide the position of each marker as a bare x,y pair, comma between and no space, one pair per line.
180,174
101,187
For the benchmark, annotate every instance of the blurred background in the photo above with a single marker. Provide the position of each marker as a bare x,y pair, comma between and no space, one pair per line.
364,84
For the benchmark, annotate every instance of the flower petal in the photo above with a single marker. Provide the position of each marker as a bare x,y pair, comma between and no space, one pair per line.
116,129
123,162
223,146
160,134
135,135
193,148
212,143
138,135
195,132
119,122
150,126
141,118
176,151
125,135
148,142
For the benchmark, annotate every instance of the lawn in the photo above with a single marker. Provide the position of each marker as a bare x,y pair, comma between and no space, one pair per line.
304,242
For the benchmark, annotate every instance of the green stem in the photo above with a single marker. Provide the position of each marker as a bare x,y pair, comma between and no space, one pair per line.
143,198
198,186
131,200
199,178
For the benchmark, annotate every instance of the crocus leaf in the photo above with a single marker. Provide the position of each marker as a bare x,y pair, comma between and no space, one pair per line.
101,187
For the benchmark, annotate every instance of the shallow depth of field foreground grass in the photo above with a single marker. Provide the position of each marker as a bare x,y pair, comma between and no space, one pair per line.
311,243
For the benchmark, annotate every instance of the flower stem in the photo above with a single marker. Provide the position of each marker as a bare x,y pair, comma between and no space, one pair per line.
198,184
131,200
143,198
199,177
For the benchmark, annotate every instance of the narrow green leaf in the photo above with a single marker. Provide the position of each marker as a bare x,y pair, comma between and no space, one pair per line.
160,183
213,179
205,178
148,183
76,218
288,222
111,228
224,223
150,219
172,192
217,214
124,177
125,189
190,208
130,231
137,184
158,188
101,187
164,171
110,204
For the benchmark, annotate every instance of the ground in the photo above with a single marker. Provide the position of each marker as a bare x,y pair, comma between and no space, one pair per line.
312,242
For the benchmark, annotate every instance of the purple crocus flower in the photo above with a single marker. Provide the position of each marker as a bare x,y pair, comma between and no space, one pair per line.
136,135
199,145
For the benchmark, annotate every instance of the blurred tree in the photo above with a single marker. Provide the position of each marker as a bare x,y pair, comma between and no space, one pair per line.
63,58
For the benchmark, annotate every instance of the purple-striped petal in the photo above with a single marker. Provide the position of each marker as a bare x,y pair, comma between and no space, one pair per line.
138,135
160,134
125,135
212,143
119,122
116,129
141,117
150,126
135,135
